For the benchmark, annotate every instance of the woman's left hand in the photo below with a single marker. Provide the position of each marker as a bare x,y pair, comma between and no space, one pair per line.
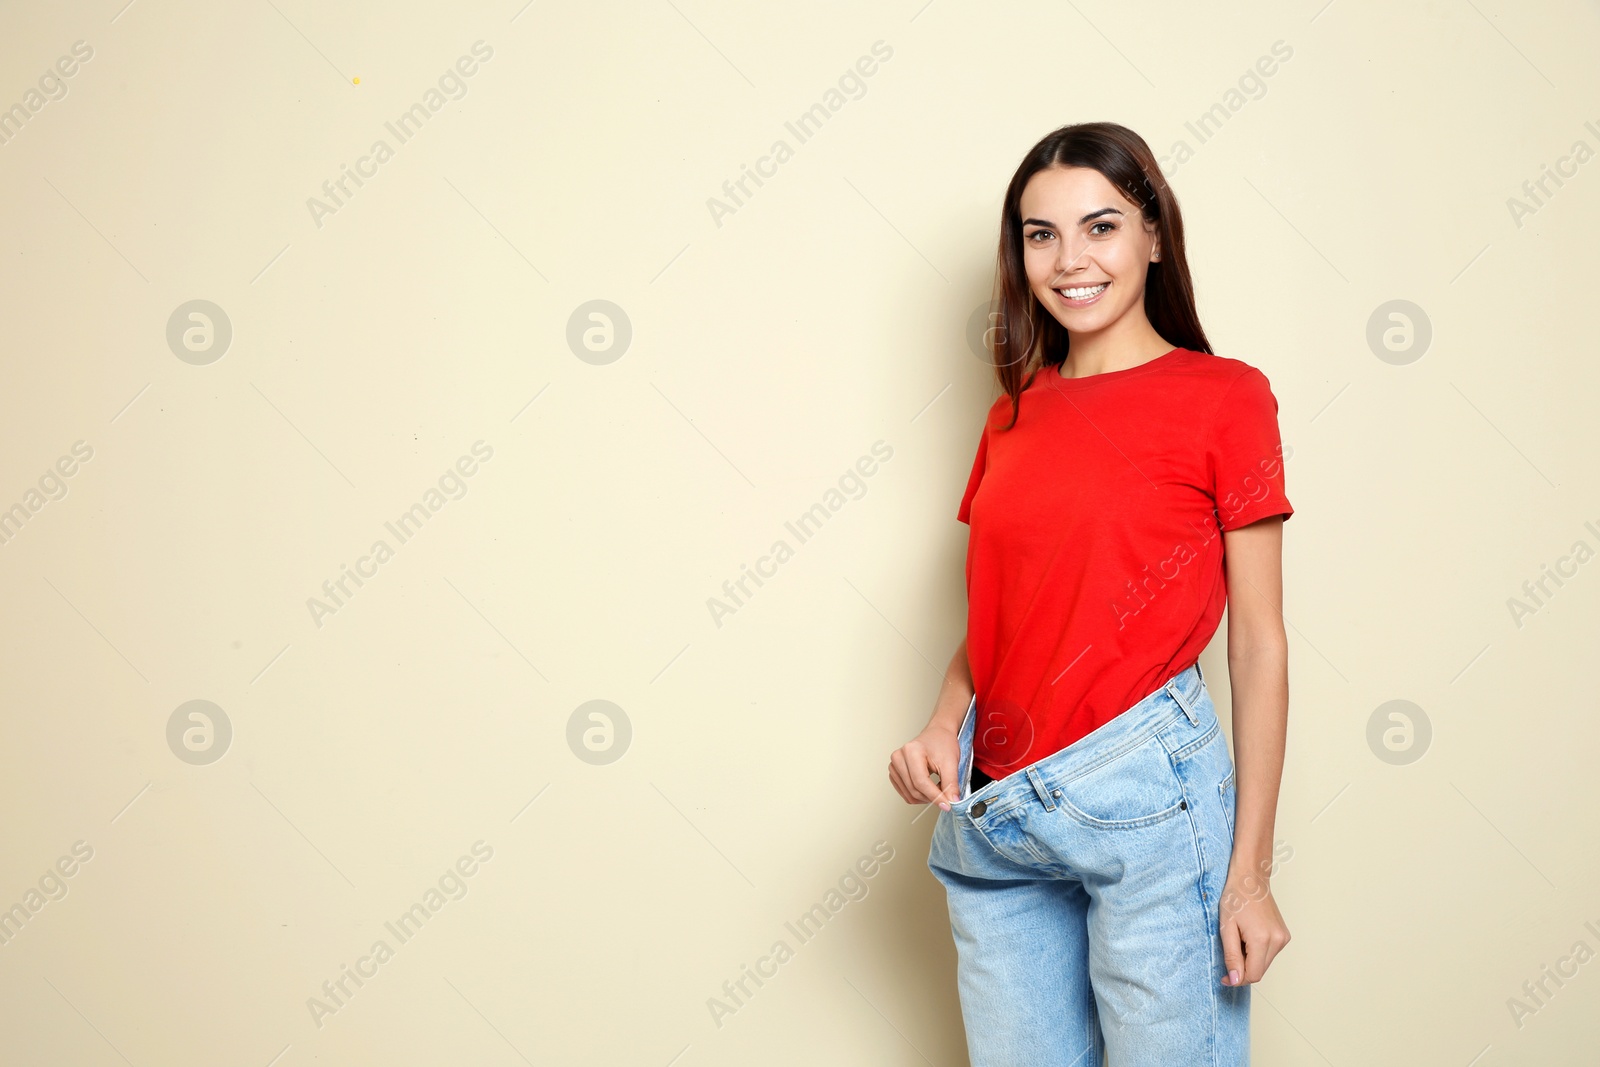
1252,930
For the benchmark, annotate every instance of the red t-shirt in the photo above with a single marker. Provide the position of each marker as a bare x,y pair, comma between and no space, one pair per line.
1094,563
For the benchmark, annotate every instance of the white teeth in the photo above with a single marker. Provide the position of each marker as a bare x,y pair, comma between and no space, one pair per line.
1083,294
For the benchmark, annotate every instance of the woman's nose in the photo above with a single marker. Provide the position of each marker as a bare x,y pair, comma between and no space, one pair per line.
1069,254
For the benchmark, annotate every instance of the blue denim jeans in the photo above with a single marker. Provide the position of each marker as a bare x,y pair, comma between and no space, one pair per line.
1084,893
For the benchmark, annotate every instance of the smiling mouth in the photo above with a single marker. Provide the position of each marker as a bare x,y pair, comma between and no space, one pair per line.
1082,295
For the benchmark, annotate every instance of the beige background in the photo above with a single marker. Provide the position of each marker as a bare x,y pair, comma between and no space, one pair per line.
768,353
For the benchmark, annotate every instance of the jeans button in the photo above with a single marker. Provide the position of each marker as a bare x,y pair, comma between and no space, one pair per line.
980,807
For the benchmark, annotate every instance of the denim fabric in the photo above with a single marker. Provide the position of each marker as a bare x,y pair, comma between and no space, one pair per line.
1084,895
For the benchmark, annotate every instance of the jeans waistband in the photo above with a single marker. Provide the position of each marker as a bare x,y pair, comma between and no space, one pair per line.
1177,704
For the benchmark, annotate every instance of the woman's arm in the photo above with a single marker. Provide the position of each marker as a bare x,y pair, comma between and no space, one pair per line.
937,748
1258,672
955,694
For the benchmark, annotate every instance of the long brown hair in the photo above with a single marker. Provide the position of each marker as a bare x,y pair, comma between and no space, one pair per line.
1027,338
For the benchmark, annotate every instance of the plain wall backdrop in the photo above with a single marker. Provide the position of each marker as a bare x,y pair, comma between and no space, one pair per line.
577,383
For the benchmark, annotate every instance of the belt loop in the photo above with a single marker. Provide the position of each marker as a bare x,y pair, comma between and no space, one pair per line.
1038,787
1176,693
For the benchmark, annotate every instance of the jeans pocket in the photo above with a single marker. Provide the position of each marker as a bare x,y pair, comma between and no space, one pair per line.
1225,788
1011,836
1134,788
964,750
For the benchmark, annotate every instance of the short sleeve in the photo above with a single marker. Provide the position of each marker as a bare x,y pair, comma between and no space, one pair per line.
964,513
1244,454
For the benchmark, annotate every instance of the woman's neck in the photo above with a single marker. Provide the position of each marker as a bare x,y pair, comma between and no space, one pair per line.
1098,353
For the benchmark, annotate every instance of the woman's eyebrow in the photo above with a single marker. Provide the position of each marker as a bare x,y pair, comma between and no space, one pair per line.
1086,218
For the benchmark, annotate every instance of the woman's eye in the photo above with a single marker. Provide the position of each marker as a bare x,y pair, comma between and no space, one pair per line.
1036,235
1109,226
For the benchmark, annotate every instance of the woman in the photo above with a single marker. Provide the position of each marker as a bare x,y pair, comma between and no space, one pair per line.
1107,877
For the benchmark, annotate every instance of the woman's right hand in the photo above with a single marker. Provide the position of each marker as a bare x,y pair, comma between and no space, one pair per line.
911,766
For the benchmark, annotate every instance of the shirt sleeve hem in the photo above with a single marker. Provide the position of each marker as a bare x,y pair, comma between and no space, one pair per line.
1255,513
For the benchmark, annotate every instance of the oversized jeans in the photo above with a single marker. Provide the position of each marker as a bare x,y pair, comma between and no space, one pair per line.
1084,895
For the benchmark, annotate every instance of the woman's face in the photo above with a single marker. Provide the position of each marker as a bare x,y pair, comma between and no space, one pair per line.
1086,247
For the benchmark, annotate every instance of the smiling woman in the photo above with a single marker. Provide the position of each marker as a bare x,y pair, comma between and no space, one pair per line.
1095,839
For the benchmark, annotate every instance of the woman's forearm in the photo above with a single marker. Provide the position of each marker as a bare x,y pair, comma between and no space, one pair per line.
955,693
1259,676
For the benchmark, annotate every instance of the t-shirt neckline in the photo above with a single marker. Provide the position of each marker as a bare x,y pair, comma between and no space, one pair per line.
1057,381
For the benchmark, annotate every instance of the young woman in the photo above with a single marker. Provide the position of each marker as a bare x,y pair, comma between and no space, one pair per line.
1106,871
